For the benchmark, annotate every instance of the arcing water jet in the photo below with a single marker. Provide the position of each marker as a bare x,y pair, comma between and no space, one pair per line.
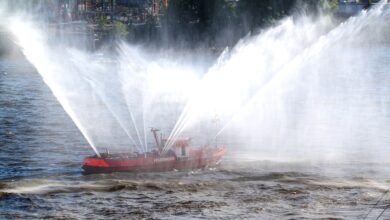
288,90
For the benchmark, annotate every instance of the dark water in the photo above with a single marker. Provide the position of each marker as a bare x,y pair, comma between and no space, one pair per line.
40,174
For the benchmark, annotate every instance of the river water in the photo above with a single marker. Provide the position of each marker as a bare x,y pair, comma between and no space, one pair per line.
41,152
305,104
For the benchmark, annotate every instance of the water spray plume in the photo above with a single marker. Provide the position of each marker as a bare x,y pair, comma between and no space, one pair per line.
250,84
231,81
29,39
290,69
95,87
288,90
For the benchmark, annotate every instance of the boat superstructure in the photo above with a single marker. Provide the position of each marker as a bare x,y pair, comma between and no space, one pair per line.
181,155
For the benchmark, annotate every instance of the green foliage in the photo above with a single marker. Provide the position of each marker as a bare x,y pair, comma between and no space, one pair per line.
120,30
329,5
261,13
102,21
216,21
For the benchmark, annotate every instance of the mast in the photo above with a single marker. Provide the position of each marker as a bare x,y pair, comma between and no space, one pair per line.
158,142
216,123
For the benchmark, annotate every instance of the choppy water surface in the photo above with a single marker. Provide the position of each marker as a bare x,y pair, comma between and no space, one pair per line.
40,174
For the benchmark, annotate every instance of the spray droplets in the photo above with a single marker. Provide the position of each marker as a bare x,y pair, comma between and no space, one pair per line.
303,89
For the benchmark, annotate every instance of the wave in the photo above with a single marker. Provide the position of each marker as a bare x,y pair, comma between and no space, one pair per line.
47,186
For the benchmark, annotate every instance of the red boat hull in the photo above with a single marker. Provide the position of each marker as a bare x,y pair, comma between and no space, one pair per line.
152,161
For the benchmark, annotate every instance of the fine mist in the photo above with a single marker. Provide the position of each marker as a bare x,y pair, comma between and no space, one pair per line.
305,89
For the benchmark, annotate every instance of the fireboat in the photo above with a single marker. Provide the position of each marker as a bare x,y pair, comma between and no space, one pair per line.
180,156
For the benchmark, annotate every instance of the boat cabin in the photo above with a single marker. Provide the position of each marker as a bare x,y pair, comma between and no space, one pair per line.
180,146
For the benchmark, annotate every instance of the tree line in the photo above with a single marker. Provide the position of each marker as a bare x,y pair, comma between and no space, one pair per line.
220,23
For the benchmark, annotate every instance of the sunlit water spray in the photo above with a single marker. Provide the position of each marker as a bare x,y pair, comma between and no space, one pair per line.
38,55
238,74
330,101
352,31
114,101
305,88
